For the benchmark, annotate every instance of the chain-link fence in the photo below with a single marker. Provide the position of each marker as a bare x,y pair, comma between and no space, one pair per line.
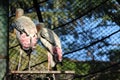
3,40
89,32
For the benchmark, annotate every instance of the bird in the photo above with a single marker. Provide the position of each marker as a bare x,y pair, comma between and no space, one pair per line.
26,34
52,44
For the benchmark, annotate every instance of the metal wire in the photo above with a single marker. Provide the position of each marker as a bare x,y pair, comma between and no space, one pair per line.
87,37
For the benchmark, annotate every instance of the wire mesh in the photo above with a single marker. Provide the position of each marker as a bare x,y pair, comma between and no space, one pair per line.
3,40
89,33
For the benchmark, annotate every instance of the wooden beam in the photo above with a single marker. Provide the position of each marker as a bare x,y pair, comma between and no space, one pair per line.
42,72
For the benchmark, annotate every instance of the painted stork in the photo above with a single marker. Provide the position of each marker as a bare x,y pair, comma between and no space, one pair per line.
53,45
26,34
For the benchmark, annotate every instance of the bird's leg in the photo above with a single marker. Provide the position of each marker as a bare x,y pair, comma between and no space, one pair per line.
48,62
19,63
29,62
53,77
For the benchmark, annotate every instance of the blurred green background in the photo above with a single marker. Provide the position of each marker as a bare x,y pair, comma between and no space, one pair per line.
3,37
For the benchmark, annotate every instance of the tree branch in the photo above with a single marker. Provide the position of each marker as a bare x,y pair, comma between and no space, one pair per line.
37,8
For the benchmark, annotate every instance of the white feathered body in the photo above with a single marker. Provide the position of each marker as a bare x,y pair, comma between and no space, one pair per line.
51,42
27,24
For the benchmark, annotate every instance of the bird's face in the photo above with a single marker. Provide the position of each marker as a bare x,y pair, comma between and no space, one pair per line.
19,12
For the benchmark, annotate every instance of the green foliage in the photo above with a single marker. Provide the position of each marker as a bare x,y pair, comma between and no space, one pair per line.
94,70
38,56
13,4
114,55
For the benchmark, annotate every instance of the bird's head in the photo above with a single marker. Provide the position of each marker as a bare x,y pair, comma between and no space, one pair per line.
39,26
19,12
